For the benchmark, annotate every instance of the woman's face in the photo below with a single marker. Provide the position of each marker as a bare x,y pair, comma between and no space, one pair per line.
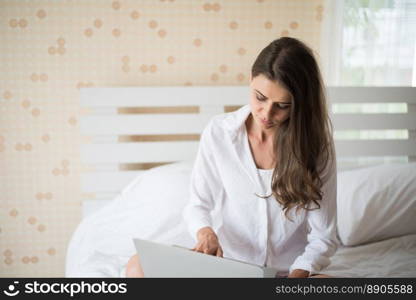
270,102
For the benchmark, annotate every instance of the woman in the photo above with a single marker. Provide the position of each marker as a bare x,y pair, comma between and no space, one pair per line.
270,167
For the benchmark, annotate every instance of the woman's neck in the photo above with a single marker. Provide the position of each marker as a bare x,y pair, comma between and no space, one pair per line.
261,135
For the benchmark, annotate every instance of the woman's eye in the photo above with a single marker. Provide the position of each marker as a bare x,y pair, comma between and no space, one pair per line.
283,106
279,106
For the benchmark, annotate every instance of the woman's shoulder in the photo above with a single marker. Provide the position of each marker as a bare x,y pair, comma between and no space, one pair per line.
230,120
215,124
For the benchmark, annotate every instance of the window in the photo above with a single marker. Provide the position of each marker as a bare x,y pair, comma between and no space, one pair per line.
370,43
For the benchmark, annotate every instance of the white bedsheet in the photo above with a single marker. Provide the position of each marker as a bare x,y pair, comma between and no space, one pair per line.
395,257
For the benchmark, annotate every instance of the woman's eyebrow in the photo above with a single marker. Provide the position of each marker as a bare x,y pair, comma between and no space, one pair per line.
275,102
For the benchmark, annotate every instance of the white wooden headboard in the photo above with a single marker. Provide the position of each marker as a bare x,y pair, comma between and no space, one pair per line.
127,130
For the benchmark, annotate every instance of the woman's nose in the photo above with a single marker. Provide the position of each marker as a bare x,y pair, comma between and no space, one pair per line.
269,111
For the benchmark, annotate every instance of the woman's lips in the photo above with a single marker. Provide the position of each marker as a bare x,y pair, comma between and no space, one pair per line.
268,123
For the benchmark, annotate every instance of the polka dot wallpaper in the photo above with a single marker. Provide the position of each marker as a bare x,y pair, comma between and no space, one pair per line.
49,50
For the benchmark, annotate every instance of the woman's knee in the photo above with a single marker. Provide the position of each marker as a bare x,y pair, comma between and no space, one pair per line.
134,268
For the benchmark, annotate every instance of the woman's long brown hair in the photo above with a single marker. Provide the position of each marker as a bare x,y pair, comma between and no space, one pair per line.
303,143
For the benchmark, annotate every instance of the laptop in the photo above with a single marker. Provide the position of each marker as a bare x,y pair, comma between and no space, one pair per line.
162,260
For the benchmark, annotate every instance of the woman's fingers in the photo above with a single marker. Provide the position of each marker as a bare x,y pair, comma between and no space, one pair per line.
210,250
198,249
219,252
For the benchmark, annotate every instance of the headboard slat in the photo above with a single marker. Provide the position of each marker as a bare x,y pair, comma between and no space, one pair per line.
375,147
353,94
107,181
138,152
144,124
374,121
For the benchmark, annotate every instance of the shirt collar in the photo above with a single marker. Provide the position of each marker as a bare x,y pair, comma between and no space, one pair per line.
234,121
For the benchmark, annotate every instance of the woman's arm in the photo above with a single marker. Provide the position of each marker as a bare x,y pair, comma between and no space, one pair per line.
205,186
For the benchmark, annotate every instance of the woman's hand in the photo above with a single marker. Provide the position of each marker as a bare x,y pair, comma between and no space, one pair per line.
208,242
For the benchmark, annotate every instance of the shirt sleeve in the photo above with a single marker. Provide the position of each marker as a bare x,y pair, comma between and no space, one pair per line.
205,186
322,237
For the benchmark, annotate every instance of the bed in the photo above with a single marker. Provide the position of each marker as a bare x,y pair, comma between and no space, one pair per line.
136,168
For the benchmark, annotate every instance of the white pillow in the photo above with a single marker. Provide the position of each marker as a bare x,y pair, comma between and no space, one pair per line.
376,203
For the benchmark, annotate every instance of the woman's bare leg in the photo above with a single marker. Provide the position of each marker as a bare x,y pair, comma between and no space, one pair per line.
133,267
321,276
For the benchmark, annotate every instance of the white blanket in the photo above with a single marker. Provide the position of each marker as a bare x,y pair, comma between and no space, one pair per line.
102,243
149,208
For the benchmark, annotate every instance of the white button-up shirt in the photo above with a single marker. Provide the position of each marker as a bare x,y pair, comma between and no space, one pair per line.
225,179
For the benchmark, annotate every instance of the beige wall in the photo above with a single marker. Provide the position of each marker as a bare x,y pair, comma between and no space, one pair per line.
49,49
